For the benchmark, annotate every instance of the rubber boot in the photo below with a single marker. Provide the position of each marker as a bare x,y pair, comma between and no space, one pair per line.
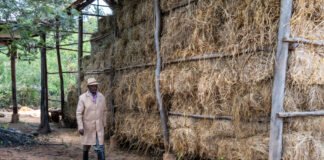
85,155
101,155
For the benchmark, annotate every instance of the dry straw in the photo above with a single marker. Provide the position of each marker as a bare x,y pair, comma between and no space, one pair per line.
238,86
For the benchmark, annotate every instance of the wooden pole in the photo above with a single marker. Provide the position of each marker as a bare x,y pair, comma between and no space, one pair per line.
57,40
278,90
67,72
89,40
201,116
80,50
67,49
304,41
180,5
72,32
112,77
157,76
300,114
55,100
13,54
44,126
218,55
95,15
181,60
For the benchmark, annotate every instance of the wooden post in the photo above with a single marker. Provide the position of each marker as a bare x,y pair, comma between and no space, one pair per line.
304,41
13,54
278,90
44,126
57,39
112,76
157,80
80,50
300,114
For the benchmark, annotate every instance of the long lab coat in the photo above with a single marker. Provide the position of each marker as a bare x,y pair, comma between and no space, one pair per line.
91,117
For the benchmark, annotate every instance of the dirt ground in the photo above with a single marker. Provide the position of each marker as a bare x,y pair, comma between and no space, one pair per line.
63,144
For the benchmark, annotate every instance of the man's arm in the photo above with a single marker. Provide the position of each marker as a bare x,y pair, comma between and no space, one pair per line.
79,115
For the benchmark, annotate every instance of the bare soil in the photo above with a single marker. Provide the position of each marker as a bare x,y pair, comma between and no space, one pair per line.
62,143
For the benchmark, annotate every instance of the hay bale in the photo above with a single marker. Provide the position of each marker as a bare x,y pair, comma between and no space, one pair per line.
224,128
181,79
105,24
124,90
70,108
238,86
304,98
165,5
135,46
144,11
306,20
188,135
306,66
175,38
184,141
125,15
212,147
308,124
145,90
216,26
139,128
302,145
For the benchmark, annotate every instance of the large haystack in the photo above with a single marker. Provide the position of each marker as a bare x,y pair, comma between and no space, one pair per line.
239,86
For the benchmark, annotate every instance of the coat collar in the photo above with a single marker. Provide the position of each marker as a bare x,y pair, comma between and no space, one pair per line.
89,95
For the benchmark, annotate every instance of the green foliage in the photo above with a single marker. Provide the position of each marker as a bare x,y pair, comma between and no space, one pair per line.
28,72
32,17
28,18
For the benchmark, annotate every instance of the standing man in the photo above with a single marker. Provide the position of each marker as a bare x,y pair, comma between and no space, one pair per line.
91,117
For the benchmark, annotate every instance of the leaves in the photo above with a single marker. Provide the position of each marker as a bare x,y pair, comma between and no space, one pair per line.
28,18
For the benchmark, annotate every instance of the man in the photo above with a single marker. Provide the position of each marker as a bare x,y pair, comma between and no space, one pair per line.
91,117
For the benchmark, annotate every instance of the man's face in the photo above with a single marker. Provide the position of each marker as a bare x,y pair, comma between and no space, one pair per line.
93,88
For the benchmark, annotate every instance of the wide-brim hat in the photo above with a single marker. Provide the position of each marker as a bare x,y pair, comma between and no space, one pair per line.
92,81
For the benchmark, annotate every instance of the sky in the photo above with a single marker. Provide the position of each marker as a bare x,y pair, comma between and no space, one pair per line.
106,10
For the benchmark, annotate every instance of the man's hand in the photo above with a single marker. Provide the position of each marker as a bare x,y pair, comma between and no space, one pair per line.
81,131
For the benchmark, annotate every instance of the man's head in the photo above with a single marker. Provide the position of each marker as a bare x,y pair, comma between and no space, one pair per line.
92,85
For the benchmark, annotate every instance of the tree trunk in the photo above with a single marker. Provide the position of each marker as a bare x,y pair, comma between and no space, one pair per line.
80,50
60,70
13,53
44,126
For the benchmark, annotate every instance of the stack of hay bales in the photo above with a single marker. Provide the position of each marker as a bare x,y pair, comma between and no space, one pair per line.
239,86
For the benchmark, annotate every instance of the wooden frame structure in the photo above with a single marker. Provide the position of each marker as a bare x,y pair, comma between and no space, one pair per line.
277,108
78,5
6,39
277,111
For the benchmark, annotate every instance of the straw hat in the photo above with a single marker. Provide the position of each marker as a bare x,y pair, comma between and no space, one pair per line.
92,81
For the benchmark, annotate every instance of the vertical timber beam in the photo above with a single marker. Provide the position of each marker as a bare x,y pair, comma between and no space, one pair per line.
97,14
44,126
157,77
80,50
112,76
13,54
278,90
57,40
